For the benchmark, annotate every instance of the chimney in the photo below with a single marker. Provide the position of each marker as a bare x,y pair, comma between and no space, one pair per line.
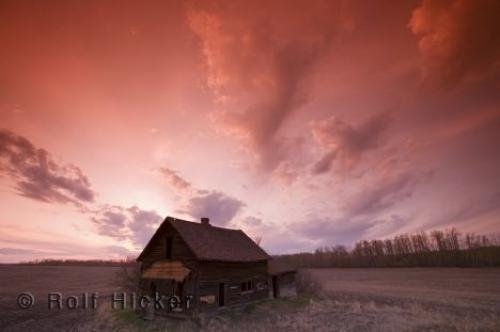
205,221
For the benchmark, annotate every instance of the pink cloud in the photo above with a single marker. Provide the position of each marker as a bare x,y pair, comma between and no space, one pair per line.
38,176
219,207
133,224
259,58
457,38
345,143
174,180
197,203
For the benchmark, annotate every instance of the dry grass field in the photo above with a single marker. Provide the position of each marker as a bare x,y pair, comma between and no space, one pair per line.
448,299
407,299
40,280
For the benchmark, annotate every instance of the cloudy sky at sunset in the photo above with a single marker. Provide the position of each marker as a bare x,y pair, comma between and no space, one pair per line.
304,123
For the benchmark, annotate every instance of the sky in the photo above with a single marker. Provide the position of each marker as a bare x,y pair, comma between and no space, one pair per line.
304,123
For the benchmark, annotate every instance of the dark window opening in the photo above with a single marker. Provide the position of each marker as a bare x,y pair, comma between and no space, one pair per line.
222,294
168,248
275,287
179,289
246,286
153,289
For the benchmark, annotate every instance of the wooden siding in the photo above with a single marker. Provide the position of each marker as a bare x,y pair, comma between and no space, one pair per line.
232,275
157,251
212,271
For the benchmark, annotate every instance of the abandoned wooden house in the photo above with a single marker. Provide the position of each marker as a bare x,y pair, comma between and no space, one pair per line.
215,266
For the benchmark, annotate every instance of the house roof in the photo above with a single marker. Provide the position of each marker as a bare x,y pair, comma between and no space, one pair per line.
276,266
212,243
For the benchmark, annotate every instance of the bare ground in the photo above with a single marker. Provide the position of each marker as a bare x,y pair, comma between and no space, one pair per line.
409,299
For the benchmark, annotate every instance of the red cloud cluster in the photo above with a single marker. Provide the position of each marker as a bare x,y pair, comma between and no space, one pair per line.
458,39
345,143
259,58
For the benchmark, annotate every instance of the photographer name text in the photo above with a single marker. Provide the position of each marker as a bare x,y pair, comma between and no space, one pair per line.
117,300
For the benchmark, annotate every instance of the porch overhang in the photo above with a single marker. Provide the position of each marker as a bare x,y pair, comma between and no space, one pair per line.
166,270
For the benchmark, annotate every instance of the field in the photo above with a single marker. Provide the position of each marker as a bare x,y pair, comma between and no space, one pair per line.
41,280
413,298
438,299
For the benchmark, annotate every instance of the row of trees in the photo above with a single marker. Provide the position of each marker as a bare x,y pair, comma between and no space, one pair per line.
437,248
129,261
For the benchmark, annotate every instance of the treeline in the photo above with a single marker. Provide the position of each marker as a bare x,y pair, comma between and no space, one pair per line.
437,248
129,261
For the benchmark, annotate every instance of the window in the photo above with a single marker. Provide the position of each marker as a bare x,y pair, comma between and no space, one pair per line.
153,289
168,248
246,286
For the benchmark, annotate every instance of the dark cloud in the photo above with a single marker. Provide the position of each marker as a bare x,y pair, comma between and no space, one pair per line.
252,221
468,211
364,212
112,222
22,253
198,203
269,53
137,225
325,163
345,230
174,180
27,254
219,207
133,224
346,143
457,38
18,251
327,230
381,195
38,176
143,224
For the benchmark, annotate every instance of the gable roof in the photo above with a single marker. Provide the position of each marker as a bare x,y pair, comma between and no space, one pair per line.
277,266
211,243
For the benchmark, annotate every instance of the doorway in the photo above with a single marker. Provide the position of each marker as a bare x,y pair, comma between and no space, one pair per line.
221,294
275,287
153,289
178,289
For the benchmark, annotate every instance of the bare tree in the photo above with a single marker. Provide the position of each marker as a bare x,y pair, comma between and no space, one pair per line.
439,240
389,250
452,242
439,248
